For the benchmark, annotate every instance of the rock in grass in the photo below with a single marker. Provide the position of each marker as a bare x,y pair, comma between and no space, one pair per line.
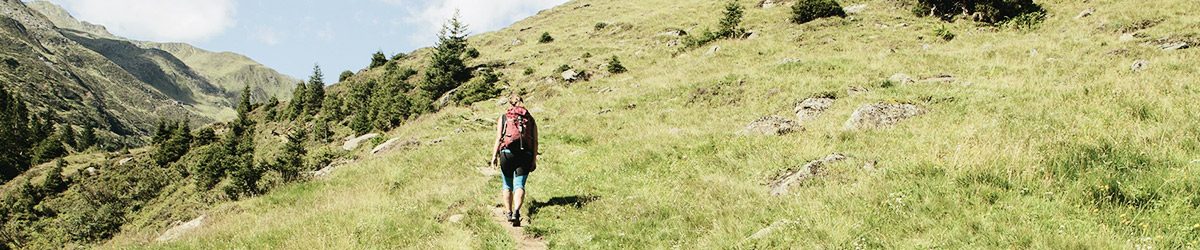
713,51
1085,13
810,108
1173,46
393,144
880,115
181,229
901,78
456,218
353,143
781,183
855,9
767,4
770,125
1140,65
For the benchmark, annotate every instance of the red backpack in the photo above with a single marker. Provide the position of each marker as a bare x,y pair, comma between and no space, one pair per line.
516,131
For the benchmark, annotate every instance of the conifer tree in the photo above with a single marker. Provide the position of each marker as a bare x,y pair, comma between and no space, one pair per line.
14,136
291,162
316,91
378,59
86,139
446,68
299,101
54,182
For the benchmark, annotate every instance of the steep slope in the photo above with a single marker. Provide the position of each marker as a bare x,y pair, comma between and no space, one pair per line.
1043,138
57,74
229,71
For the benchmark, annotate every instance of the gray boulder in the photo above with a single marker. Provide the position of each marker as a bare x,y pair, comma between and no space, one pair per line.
880,115
810,108
1140,65
781,183
352,143
901,78
770,125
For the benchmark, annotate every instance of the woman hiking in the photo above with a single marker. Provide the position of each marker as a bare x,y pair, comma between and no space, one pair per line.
516,152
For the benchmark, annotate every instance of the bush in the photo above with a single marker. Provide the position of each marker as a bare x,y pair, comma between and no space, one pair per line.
600,26
529,71
1027,21
480,88
729,28
562,68
345,75
988,11
808,10
615,67
546,38
943,33
377,59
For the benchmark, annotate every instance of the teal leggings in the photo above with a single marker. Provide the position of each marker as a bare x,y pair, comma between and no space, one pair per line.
512,182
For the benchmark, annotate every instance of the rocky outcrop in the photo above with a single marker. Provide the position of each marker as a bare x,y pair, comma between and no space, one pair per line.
770,125
394,143
352,143
783,181
181,229
880,115
810,108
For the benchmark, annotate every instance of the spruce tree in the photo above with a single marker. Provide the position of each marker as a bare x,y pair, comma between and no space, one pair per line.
162,132
316,91
299,101
86,139
729,27
14,136
54,182
204,137
69,136
446,68
291,161
377,59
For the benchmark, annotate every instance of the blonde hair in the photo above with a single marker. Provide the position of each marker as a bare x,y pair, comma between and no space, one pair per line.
515,100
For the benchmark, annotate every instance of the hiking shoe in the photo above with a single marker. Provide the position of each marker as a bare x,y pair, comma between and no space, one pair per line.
512,217
515,219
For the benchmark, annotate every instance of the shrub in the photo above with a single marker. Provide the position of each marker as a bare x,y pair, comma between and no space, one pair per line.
988,11
943,33
600,26
378,59
614,66
345,75
808,10
546,38
730,26
529,71
1027,21
480,88
562,68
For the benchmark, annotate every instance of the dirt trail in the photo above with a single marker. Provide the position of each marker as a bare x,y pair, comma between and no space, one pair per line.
524,241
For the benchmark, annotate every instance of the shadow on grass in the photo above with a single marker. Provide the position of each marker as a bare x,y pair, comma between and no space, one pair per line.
575,201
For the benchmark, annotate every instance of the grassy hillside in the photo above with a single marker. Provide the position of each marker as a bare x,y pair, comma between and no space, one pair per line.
1045,138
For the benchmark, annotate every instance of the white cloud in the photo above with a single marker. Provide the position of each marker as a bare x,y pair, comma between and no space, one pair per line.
157,20
267,36
480,16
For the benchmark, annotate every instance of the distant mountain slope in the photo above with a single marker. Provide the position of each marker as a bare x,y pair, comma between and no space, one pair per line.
57,73
227,70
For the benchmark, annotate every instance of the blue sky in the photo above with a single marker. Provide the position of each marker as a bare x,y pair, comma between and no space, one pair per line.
292,36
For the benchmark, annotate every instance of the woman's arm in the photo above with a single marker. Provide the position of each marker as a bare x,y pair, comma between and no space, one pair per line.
499,135
534,133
